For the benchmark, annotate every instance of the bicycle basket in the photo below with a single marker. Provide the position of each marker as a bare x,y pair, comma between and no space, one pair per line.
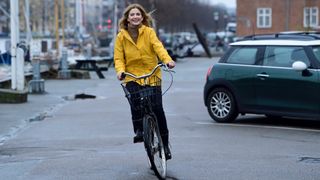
136,94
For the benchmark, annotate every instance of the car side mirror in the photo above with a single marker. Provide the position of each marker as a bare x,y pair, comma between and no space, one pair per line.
299,66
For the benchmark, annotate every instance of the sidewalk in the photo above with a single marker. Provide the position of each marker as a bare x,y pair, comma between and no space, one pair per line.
16,117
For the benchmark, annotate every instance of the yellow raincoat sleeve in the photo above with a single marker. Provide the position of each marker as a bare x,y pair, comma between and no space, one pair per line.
118,57
159,49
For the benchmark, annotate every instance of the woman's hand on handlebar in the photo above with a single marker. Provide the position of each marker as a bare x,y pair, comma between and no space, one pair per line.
121,76
171,64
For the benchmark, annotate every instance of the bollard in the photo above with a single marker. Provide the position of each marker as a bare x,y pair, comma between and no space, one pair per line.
36,85
88,51
36,69
20,81
64,72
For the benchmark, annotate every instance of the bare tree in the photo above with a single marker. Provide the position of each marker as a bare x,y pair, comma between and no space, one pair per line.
178,15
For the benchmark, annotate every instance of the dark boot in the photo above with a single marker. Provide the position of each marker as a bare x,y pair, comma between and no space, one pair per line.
167,152
165,140
139,137
137,128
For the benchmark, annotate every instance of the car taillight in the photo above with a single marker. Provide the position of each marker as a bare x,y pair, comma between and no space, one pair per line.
208,72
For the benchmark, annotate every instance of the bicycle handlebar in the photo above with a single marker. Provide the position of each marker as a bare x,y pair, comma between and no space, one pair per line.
123,75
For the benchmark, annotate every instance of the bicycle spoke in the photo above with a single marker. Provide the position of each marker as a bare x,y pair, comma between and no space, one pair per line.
154,147
145,95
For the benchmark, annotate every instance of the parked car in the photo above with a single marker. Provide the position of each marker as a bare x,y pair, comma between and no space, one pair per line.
276,75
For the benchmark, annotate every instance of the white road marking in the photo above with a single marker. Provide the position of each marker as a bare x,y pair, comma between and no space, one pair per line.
258,126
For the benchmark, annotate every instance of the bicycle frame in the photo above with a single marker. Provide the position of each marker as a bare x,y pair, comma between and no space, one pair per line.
152,137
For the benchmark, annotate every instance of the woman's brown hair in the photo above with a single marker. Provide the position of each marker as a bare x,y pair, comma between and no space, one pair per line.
147,19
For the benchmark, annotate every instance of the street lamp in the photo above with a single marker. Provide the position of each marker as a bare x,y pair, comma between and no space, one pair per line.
225,20
216,19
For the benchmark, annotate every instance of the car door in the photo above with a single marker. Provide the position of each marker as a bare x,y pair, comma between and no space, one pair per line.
240,70
280,88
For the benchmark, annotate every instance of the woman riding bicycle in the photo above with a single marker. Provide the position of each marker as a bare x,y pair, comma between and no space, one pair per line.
136,51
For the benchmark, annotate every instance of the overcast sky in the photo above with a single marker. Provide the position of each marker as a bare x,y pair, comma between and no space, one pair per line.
228,3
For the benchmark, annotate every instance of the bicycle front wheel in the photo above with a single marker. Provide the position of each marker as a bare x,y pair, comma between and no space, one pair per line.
154,146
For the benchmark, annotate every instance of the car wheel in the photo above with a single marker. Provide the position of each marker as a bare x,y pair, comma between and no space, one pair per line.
222,105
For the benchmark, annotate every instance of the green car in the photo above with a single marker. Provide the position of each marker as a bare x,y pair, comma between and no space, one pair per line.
276,75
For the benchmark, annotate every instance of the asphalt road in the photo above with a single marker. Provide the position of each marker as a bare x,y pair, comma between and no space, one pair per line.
92,139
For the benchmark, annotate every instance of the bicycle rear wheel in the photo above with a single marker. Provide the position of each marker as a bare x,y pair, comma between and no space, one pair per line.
154,146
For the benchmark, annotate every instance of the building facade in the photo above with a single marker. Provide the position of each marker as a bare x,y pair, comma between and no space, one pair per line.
271,16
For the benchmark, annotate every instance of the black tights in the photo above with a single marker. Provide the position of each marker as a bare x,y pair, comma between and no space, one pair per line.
158,110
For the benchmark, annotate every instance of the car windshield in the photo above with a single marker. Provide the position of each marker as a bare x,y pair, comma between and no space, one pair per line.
316,52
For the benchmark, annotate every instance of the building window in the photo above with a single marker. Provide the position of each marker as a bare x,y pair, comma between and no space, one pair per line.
310,17
264,19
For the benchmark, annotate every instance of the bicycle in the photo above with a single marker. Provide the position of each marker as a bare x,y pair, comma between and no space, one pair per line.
146,96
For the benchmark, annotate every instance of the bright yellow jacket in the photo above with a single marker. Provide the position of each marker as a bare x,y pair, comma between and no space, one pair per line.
141,57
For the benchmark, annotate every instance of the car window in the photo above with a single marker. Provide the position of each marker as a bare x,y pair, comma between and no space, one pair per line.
243,55
284,56
316,52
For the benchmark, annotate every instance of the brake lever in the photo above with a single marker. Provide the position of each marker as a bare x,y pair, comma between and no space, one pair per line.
166,68
169,70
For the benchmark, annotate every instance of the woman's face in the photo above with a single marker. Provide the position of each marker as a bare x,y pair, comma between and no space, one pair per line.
135,17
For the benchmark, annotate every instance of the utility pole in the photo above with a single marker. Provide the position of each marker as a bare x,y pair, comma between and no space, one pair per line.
115,24
115,19
27,16
17,61
79,23
62,21
45,17
56,16
14,39
153,9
